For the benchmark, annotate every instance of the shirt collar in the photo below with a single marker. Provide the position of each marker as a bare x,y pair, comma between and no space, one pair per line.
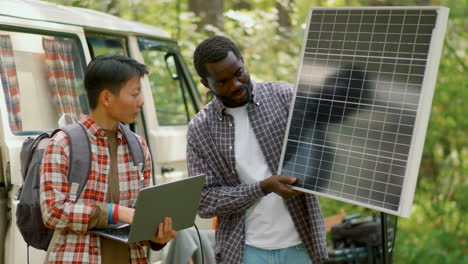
94,129
220,107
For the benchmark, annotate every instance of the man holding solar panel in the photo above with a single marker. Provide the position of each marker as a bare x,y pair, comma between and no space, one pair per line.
236,141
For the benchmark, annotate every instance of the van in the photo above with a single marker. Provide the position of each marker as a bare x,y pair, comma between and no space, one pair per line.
44,50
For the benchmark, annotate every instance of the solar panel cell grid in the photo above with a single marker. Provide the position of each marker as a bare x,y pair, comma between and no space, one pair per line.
357,96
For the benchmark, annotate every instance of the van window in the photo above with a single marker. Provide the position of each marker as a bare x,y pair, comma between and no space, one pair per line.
41,79
104,45
172,98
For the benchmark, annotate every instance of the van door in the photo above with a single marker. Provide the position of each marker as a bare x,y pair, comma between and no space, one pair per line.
42,70
170,104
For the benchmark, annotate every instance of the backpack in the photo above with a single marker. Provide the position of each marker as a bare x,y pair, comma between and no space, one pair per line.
28,212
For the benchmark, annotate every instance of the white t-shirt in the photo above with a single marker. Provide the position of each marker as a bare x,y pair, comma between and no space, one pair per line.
268,224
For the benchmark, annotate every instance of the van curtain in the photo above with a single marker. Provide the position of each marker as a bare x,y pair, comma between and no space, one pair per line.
62,76
10,83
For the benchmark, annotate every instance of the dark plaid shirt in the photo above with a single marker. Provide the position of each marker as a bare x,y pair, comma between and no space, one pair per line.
210,150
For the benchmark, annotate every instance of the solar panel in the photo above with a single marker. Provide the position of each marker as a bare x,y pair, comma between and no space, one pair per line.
360,110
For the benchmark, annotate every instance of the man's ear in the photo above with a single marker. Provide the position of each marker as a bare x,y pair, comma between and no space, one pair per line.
205,83
105,98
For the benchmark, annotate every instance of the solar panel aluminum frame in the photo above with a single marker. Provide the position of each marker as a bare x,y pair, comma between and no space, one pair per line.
422,115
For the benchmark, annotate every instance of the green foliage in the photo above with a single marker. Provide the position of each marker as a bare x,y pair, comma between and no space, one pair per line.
437,231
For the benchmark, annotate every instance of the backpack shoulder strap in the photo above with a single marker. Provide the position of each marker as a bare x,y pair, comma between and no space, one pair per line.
79,160
136,150
27,151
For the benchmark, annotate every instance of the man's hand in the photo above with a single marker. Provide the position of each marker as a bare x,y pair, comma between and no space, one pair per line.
278,185
165,232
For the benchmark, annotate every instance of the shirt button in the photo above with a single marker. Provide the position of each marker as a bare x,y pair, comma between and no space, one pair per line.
230,147
220,119
233,171
95,249
230,124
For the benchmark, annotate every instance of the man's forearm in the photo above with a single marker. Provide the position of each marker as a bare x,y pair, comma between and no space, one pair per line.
220,201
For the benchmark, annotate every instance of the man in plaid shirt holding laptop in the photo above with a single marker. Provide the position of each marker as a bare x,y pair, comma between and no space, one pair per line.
236,141
114,93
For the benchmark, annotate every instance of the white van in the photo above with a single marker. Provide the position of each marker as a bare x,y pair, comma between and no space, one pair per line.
44,50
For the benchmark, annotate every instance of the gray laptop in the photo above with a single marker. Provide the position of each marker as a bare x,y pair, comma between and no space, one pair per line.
178,200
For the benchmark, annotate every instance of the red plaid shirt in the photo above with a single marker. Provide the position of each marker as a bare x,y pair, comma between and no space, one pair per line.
74,243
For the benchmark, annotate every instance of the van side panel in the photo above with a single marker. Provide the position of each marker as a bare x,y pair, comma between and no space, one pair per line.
38,79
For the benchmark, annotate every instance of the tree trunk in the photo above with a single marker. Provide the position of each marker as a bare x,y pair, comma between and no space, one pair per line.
209,11
113,8
284,7
196,6
242,4
135,10
423,2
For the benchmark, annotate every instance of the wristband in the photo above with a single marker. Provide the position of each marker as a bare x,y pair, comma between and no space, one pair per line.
116,213
109,213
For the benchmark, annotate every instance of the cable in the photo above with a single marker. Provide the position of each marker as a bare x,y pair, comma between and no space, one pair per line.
394,238
384,232
201,245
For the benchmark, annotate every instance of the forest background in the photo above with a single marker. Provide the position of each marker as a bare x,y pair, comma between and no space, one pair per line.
270,34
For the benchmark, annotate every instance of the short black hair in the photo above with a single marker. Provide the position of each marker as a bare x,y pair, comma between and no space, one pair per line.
110,72
211,50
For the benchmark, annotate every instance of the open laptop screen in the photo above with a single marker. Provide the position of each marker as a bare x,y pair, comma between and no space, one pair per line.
178,200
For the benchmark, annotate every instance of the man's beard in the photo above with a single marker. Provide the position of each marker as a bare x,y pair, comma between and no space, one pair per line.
229,101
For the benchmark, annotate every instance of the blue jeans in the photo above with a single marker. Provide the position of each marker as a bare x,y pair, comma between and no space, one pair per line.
295,254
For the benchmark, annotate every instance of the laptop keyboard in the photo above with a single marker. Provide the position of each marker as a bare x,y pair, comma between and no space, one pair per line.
121,232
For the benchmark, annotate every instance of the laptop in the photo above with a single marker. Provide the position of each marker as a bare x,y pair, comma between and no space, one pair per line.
178,200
